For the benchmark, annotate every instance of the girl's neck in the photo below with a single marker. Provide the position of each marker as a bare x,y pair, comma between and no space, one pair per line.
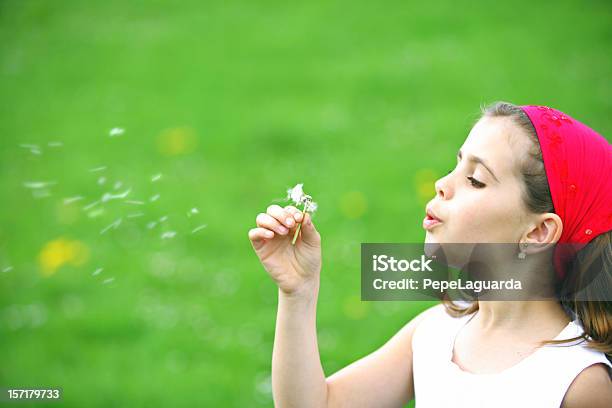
494,315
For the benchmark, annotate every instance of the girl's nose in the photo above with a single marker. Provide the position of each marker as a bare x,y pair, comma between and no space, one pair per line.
442,189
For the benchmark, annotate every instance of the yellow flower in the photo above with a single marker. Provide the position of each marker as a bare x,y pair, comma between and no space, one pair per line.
354,308
424,181
353,204
59,252
175,141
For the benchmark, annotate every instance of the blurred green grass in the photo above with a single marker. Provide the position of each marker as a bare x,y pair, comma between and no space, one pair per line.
366,103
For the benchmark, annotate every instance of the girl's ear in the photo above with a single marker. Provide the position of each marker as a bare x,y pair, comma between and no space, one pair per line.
546,231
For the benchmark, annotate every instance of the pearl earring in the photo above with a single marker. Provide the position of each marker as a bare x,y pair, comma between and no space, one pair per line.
522,254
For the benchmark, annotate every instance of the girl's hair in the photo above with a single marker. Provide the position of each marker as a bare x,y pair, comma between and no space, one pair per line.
593,263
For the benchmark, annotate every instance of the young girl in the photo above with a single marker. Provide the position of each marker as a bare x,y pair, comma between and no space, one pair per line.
529,175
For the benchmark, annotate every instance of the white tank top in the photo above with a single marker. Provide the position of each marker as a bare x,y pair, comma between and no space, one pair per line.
539,380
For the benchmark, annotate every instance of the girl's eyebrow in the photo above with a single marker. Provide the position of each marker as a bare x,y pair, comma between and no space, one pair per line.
476,159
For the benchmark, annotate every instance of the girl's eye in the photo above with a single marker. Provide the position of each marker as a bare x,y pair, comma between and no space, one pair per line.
475,182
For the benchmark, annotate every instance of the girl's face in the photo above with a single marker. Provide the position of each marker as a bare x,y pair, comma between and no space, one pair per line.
480,200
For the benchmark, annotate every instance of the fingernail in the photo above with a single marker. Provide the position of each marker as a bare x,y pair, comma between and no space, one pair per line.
269,234
282,230
297,216
289,222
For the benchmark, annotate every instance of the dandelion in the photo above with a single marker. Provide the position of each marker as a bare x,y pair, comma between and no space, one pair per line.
116,132
296,194
62,251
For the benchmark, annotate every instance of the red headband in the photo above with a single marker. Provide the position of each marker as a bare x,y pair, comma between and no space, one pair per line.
578,164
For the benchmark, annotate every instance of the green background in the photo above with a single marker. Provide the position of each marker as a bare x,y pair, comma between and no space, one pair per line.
366,103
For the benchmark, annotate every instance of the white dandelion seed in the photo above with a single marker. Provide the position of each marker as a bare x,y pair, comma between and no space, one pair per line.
156,177
296,193
7,269
101,180
96,169
151,224
134,202
91,205
97,272
154,198
198,228
193,211
164,218
29,146
55,144
108,280
168,235
71,200
117,185
34,149
95,213
38,184
114,225
135,215
40,193
108,196
116,132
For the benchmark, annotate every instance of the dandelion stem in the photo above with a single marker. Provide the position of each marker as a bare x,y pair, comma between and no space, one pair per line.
297,231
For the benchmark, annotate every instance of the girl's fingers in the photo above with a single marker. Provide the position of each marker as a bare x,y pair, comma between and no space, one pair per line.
259,234
282,216
297,214
267,221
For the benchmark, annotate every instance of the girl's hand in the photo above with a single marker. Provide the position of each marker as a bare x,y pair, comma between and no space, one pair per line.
294,268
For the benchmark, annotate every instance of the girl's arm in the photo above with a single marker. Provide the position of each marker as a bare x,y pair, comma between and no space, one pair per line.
297,376
380,379
591,388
